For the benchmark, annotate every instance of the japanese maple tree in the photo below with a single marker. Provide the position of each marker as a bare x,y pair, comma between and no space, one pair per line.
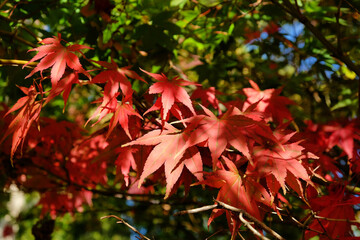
206,118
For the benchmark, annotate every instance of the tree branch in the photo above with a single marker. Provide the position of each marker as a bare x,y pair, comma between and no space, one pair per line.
352,5
3,3
242,212
336,219
252,229
15,62
255,220
13,35
339,47
197,210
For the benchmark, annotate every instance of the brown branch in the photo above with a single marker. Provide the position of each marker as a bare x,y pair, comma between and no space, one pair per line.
15,62
3,3
31,33
13,35
255,220
22,26
126,224
242,212
242,238
339,47
352,5
321,225
252,229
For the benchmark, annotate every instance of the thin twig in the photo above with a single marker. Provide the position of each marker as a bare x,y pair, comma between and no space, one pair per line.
214,234
255,220
336,219
321,225
338,29
13,35
352,6
127,224
3,3
31,33
197,210
255,4
252,229
242,238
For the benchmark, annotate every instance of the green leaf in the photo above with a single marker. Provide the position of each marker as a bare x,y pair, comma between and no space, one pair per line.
178,3
348,73
209,3
231,29
344,103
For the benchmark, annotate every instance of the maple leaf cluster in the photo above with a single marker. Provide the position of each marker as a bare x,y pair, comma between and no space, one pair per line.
248,150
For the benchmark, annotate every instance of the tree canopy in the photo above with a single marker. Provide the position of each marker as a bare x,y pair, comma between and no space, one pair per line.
179,119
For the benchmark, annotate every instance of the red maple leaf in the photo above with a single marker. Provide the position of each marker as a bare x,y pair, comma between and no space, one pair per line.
174,168
238,131
21,124
269,102
64,85
57,56
114,77
281,163
207,96
130,158
334,210
169,151
121,116
343,136
317,141
237,191
171,91
124,161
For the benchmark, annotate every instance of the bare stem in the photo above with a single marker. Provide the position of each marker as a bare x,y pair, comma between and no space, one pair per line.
120,220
